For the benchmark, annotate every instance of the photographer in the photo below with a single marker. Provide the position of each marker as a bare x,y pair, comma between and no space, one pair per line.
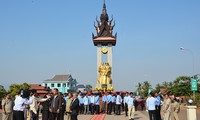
21,100
34,105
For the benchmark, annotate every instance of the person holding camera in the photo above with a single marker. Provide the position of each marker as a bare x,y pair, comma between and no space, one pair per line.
21,100
34,106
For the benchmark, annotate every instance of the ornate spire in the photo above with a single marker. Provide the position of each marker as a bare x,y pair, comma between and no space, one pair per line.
105,27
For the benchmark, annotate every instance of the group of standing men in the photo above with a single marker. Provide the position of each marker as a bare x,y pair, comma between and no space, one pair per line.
27,108
162,109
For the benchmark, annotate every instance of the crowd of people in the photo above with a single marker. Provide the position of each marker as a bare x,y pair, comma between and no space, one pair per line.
55,105
160,106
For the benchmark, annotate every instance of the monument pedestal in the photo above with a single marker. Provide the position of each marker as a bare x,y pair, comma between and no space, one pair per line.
104,87
191,113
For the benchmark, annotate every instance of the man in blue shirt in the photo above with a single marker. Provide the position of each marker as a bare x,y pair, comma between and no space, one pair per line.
131,107
113,100
91,100
81,102
86,104
158,107
151,106
104,100
109,103
96,103
118,104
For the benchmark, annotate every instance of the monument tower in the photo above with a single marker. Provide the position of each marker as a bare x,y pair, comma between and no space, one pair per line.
104,41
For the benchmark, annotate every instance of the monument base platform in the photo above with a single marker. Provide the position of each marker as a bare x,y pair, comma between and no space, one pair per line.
104,87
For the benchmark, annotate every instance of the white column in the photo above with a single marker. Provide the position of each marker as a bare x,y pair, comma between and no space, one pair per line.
110,61
99,58
191,113
110,54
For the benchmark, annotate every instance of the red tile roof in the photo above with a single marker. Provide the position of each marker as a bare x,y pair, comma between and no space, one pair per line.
37,87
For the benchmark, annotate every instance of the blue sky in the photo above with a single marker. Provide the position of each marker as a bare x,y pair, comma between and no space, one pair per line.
42,38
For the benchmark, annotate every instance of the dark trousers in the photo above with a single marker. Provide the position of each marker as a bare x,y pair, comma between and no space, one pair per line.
126,109
55,116
158,116
118,109
92,108
62,114
103,107
109,108
18,115
74,117
113,107
152,114
123,107
97,109
45,115
34,116
81,108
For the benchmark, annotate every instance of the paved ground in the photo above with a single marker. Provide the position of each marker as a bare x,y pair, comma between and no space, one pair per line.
139,115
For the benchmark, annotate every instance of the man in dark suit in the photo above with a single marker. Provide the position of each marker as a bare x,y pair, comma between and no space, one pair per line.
56,105
74,108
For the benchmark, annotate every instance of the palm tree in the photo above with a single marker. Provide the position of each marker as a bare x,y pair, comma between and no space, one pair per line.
139,88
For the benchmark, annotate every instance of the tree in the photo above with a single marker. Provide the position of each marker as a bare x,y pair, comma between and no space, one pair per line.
158,86
2,93
88,87
14,88
139,88
182,86
146,86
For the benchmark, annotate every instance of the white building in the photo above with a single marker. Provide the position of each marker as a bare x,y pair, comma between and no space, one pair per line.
64,83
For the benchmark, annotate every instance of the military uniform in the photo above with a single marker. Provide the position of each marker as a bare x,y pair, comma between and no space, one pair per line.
176,110
8,105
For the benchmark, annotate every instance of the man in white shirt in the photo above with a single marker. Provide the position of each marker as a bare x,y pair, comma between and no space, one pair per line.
34,105
151,106
18,109
125,104
118,104
131,107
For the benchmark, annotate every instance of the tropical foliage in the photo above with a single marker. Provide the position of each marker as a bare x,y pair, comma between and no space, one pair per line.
2,93
14,88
